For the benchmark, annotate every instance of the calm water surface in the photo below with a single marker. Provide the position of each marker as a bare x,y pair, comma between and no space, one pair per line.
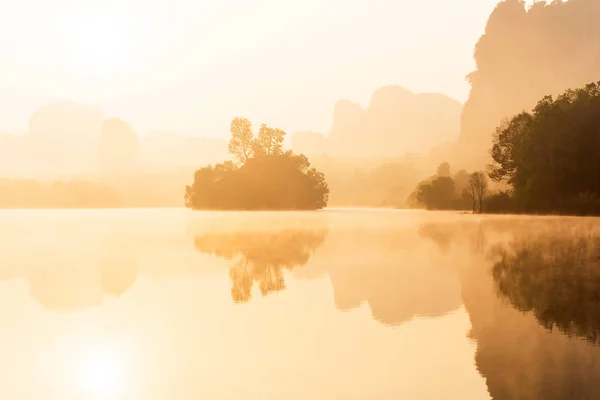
339,304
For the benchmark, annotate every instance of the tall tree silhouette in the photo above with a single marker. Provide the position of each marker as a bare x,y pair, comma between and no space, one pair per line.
242,139
269,141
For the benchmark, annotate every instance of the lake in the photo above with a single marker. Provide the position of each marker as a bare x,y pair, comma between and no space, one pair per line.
336,304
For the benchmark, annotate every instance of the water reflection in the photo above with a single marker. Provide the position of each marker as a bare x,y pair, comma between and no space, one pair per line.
68,280
397,275
260,256
529,277
555,275
389,269
453,299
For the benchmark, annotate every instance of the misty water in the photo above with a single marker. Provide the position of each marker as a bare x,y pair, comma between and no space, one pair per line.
337,304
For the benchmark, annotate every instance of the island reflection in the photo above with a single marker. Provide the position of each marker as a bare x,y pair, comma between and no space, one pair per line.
260,256
389,268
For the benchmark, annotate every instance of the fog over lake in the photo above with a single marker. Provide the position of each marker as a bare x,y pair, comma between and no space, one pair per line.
340,303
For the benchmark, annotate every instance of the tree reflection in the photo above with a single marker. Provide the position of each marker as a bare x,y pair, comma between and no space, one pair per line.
260,256
557,277
521,278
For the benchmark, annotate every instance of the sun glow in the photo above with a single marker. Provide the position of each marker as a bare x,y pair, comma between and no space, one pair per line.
101,374
98,46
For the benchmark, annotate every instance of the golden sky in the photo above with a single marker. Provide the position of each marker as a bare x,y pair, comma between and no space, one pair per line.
191,65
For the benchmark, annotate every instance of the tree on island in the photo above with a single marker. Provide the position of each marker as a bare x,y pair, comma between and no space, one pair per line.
242,138
264,177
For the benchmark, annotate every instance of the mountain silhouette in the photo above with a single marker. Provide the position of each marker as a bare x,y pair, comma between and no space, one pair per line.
395,122
525,54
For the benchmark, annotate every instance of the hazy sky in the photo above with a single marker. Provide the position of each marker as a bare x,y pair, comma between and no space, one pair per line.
191,65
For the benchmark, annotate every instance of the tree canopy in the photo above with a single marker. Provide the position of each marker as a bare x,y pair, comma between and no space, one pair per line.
551,156
437,195
263,176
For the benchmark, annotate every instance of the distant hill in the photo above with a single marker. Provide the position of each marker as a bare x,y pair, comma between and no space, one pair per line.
308,143
396,122
169,149
63,136
67,140
66,120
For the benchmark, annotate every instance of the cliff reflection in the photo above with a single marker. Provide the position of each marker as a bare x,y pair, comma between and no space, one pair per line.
395,273
260,256
67,280
530,287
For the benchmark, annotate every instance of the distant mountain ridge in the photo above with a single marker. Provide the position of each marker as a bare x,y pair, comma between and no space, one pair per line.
396,122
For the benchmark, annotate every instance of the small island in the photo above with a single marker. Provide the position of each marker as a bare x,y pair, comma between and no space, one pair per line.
262,177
